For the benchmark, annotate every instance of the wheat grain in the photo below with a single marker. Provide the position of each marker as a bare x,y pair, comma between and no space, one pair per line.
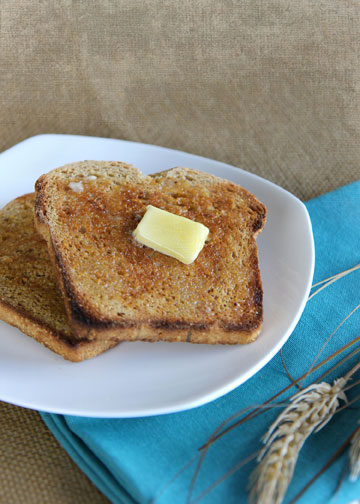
309,411
354,456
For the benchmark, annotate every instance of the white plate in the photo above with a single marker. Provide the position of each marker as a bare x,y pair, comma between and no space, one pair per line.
140,379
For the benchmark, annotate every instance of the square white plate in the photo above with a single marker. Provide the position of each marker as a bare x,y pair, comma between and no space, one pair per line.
139,379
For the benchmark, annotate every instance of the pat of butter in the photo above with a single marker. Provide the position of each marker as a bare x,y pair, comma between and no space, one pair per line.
171,234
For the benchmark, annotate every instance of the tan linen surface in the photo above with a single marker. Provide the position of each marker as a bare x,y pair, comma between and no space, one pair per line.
271,86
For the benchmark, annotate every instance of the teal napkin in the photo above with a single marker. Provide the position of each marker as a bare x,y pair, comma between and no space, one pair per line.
134,460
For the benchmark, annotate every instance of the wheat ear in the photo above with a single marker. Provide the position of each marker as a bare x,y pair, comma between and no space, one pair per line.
309,411
354,456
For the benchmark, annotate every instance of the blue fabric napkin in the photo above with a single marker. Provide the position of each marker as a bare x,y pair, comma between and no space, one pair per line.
134,460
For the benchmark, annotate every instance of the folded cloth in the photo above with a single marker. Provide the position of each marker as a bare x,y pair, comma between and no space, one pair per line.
136,460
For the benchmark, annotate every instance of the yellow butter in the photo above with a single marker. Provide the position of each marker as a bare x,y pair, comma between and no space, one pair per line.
171,234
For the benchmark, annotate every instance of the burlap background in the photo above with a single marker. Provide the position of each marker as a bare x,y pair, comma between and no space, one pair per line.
271,86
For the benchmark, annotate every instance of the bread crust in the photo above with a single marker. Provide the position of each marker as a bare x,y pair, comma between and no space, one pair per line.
26,275
217,203
73,350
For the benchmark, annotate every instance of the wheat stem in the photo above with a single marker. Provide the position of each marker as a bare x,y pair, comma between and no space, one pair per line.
330,337
291,378
337,276
352,371
226,475
175,477
354,384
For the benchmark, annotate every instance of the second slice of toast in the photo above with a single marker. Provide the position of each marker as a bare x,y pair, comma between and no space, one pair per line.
29,297
113,287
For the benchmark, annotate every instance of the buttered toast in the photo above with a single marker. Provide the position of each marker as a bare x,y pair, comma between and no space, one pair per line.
29,297
114,288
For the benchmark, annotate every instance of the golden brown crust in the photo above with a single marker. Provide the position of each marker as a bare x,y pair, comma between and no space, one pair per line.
29,297
114,288
72,350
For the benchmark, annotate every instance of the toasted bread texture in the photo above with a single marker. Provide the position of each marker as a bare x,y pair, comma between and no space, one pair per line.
29,296
113,287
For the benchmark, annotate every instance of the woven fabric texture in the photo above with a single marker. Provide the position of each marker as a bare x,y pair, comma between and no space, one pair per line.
271,86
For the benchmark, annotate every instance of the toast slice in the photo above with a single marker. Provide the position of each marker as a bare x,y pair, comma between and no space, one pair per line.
29,297
113,287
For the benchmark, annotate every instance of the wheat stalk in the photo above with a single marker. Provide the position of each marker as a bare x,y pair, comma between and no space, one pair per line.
310,410
328,281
